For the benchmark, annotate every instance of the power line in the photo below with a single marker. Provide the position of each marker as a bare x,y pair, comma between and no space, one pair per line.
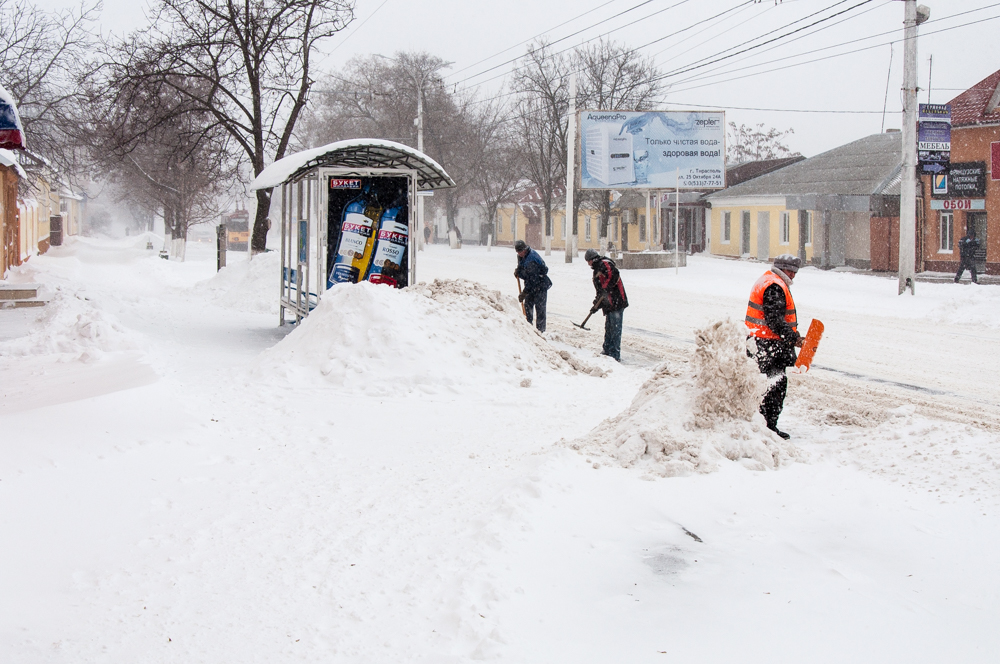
526,41
569,36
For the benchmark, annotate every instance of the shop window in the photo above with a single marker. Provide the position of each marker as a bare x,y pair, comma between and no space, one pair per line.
586,227
642,228
786,228
947,223
806,224
726,227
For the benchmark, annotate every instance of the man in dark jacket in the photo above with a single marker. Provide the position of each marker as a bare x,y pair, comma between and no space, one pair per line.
967,247
611,299
773,324
532,269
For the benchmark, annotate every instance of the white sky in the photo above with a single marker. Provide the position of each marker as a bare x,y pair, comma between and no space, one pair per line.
468,31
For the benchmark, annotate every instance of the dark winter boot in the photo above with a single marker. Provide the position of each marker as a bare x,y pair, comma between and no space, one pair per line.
782,434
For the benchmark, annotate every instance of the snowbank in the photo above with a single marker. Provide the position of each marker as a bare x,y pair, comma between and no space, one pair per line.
71,328
247,285
449,335
689,417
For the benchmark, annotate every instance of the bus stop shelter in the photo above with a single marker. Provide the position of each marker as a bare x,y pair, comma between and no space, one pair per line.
346,216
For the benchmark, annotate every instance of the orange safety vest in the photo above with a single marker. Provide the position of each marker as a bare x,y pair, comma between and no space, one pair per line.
755,307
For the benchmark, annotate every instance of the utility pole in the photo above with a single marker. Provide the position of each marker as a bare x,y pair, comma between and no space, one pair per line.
913,16
570,237
419,121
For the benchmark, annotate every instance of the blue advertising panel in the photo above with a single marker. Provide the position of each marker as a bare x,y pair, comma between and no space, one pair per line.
645,150
934,138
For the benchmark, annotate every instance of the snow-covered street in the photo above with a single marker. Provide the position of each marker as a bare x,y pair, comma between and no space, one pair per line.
181,480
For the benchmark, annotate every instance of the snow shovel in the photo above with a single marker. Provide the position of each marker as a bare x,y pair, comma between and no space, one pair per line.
583,325
519,297
809,345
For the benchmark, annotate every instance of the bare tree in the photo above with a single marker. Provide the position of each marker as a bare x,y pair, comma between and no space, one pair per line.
541,85
163,152
496,157
753,142
40,52
613,77
246,65
376,96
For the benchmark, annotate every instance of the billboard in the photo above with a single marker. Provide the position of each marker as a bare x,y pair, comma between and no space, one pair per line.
644,150
369,234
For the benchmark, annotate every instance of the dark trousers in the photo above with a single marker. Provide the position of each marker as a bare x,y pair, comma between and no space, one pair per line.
534,308
773,355
971,266
613,334
774,399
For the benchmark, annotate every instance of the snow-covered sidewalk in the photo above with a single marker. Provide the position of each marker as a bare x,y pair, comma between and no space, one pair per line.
183,481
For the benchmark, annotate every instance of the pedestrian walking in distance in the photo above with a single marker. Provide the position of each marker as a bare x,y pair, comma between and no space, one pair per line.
774,326
611,299
533,270
967,248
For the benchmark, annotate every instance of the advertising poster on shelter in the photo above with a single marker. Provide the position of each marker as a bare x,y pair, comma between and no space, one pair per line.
369,235
644,150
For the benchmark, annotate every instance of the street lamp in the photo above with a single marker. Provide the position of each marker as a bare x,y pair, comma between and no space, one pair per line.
418,121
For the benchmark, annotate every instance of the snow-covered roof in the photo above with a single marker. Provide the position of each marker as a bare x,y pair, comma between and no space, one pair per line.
8,158
356,153
978,105
860,168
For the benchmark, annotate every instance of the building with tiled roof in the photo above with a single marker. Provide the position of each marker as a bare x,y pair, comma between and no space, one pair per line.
979,105
971,202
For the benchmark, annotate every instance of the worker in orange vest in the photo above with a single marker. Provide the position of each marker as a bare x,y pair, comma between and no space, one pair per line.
774,328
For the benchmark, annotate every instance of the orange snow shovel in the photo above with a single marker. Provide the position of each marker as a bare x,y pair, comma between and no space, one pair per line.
810,344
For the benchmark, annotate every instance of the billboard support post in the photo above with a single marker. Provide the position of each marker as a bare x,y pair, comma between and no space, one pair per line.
570,171
677,225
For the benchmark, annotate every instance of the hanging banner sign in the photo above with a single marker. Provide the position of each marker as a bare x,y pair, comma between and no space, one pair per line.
959,204
652,150
934,138
967,180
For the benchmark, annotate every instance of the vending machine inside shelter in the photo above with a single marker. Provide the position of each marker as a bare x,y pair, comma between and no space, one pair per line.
347,216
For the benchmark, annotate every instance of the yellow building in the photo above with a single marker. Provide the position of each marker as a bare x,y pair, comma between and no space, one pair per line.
761,228
819,209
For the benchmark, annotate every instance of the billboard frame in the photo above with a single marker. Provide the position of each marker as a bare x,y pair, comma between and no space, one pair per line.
581,147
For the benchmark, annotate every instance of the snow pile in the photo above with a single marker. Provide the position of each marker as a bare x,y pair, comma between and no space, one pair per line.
449,335
246,285
72,328
688,418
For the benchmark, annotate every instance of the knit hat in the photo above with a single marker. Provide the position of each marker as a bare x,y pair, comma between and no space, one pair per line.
520,245
788,263
591,255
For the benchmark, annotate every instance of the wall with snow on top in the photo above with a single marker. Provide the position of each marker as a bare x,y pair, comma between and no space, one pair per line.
447,336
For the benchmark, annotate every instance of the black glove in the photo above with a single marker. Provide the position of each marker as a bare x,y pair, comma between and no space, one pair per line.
521,296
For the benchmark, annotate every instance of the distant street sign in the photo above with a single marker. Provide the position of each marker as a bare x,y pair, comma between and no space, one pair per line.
934,138
959,204
968,180
939,184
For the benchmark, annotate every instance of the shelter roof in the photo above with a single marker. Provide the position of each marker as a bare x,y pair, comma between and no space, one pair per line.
860,168
978,105
356,153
